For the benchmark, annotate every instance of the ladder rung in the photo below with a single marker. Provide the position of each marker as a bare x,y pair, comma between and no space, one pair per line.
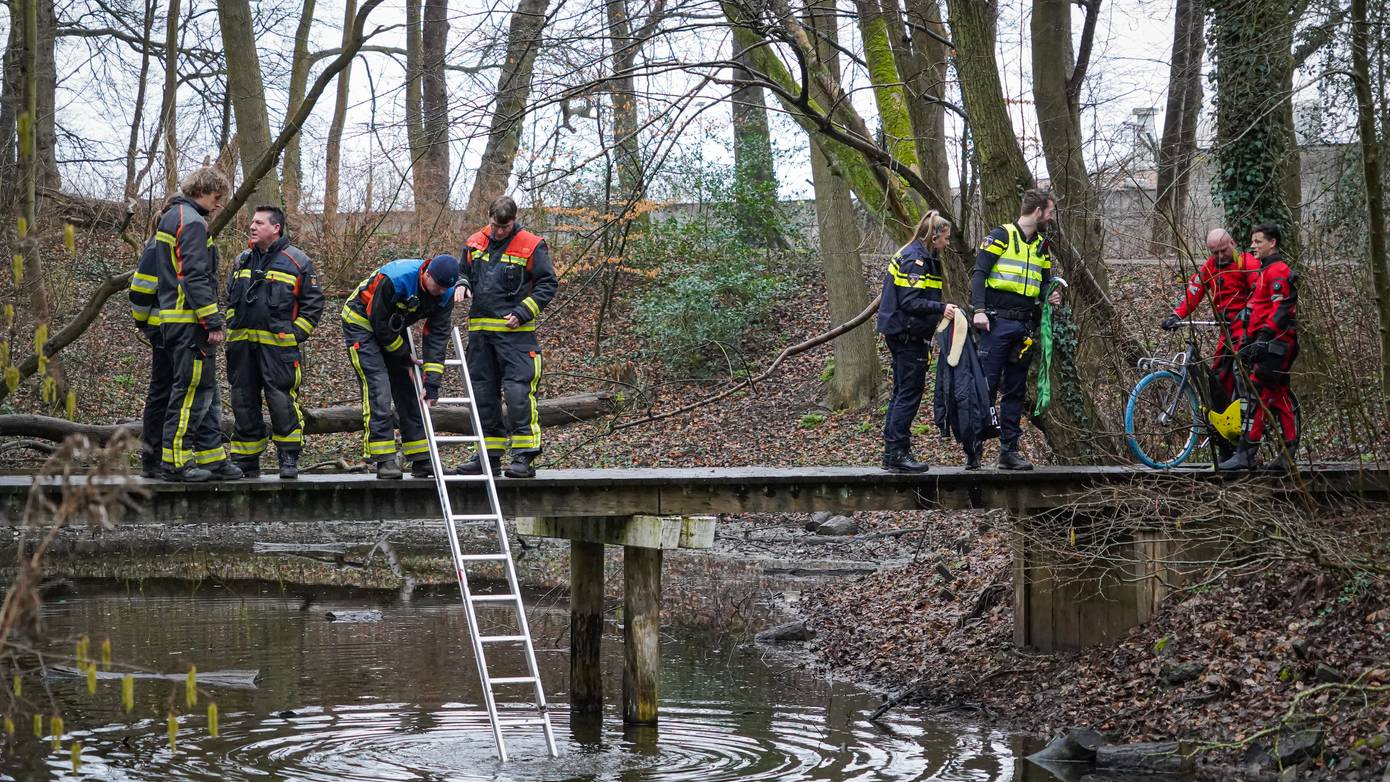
492,598
483,557
455,438
453,362
475,517
521,722
453,400
457,477
514,680
497,639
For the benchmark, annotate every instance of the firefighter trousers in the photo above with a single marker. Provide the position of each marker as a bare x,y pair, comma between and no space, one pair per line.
383,384
255,371
507,362
193,421
156,402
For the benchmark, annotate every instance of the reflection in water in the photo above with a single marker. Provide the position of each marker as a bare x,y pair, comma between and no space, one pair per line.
398,699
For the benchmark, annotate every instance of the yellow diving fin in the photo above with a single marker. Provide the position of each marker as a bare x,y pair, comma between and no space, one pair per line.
1227,423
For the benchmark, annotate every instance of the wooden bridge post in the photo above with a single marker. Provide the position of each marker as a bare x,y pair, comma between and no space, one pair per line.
586,626
641,641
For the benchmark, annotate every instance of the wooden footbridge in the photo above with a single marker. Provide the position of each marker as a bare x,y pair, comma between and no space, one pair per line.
648,511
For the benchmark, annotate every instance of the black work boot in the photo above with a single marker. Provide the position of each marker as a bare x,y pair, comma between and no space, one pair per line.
150,471
521,466
421,469
289,466
902,461
250,468
972,456
1244,457
1288,457
226,471
1224,449
1010,459
474,465
189,473
388,470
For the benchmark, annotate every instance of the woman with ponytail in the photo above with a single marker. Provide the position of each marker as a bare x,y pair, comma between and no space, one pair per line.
908,314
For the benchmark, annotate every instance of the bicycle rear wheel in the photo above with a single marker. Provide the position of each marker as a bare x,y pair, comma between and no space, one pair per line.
1162,420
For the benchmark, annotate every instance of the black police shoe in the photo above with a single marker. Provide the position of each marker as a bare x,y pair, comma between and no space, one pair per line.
474,466
189,473
289,466
422,469
521,466
972,456
250,468
902,461
388,470
1013,460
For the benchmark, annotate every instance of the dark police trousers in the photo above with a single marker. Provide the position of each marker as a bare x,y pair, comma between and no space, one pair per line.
910,358
1006,374
193,421
156,401
253,370
384,383
507,362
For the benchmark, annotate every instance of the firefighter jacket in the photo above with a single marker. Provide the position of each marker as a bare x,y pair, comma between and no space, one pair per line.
1230,280
1274,301
185,264
393,298
144,290
1011,272
512,276
273,296
911,303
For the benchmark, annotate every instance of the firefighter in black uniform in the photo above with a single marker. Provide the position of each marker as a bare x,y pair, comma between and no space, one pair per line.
144,307
1011,272
908,313
510,280
191,330
375,319
273,304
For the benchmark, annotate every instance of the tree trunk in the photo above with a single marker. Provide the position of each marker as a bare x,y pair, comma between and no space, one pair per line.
889,95
334,147
434,105
755,178
299,82
1178,147
1057,95
627,155
133,147
1003,173
247,91
49,181
11,100
1251,42
414,111
855,380
509,109
1375,186
168,105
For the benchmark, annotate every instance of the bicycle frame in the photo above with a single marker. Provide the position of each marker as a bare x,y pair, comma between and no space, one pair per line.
1183,365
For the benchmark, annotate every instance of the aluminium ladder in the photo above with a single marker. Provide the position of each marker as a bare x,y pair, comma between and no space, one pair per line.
512,597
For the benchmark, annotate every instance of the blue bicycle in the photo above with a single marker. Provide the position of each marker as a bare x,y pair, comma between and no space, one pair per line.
1169,413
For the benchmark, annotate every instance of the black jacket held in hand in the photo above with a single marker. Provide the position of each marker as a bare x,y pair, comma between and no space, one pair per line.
961,405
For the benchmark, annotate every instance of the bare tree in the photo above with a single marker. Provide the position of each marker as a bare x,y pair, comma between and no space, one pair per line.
433,164
509,108
299,81
11,98
1178,146
1372,173
755,176
334,148
247,92
133,148
168,105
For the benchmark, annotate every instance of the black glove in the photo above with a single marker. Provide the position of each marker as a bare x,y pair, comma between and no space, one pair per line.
1251,352
1169,323
431,390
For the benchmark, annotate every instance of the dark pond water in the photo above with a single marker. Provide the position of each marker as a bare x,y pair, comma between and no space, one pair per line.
398,699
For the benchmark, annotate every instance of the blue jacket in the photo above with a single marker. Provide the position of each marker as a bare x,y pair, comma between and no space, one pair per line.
962,406
911,303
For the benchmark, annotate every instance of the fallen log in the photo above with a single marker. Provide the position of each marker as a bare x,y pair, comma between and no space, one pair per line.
456,419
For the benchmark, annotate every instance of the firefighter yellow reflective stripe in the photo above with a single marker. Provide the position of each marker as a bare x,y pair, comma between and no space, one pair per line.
248,447
355,318
212,456
498,324
262,337
298,432
530,304
412,447
430,366
144,283
513,259
271,274
166,237
395,345
231,313
381,447
294,437
177,454
203,312
177,316
495,443
366,410
304,326
905,281
532,439
141,314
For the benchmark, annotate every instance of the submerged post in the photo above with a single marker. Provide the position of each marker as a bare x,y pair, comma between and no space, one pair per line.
641,623
586,626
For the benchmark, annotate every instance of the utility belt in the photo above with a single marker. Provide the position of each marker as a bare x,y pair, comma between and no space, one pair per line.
1028,315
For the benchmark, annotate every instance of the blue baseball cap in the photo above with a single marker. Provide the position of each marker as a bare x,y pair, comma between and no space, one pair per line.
444,269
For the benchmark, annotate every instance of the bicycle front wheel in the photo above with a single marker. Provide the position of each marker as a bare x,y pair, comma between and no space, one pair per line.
1163,420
